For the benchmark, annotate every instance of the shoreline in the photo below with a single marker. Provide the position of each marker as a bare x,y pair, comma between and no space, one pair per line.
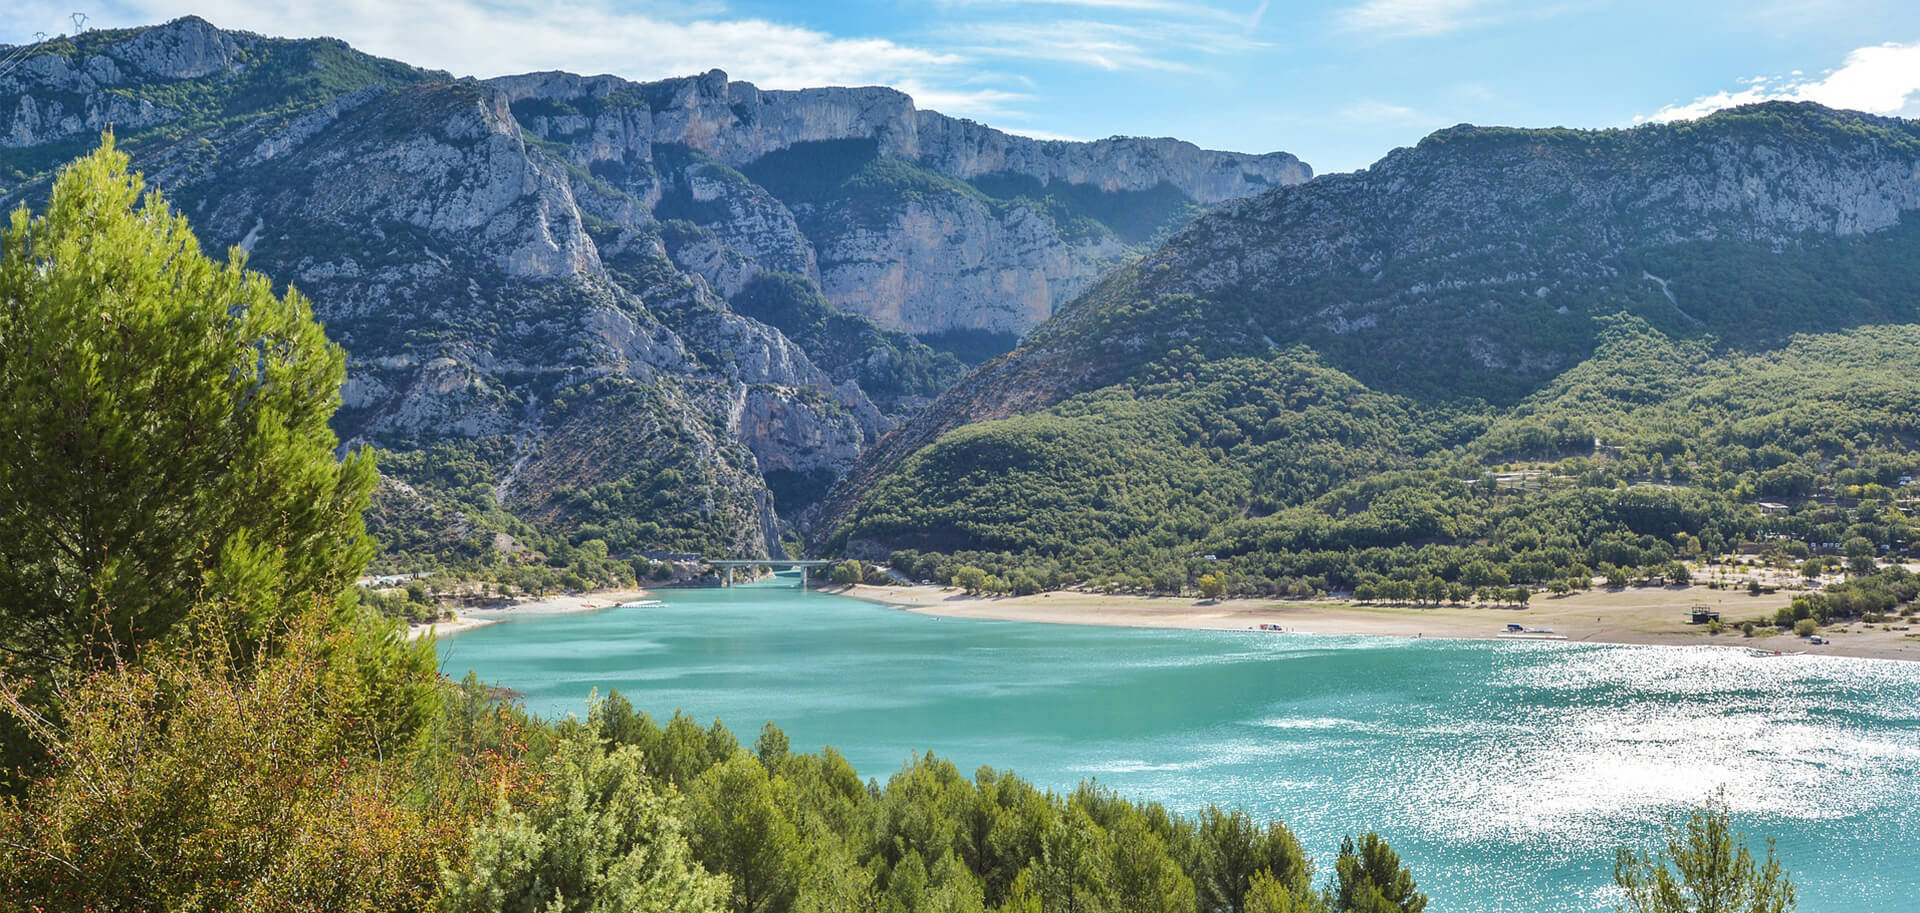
467,618
1632,616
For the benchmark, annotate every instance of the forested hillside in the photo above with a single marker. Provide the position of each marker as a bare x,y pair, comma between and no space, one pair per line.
1544,353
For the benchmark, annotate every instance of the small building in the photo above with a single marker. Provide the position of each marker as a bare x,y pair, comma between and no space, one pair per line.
1702,615
1772,507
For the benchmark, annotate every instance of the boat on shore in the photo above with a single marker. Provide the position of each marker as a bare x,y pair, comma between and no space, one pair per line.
1522,632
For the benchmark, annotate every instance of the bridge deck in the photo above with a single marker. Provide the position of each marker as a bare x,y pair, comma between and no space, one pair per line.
728,564
766,562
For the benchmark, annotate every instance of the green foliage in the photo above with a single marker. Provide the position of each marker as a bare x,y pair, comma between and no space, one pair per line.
801,832
1368,878
1230,852
847,573
1266,894
163,433
1705,867
1135,216
741,829
808,172
165,424
602,838
969,345
297,777
1299,480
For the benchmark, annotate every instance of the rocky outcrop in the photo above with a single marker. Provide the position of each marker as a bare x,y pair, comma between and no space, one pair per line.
946,255
71,100
954,262
185,48
736,123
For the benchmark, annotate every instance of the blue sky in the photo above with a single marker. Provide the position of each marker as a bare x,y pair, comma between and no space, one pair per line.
1338,83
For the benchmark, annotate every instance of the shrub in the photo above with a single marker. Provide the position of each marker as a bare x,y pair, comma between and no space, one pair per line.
848,572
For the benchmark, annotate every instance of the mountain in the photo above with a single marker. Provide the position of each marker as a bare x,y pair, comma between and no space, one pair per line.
924,222
590,317
1556,299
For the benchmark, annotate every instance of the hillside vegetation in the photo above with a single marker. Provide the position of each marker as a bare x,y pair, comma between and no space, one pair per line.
1296,479
1501,357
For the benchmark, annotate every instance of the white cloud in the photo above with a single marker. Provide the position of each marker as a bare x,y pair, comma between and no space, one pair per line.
1880,79
496,37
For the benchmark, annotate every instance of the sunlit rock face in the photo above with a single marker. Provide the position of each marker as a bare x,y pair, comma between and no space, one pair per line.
957,238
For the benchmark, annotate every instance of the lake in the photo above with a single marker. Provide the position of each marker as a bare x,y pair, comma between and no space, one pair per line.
1505,773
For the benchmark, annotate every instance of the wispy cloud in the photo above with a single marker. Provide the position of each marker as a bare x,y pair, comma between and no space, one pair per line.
1108,35
1397,18
1109,46
1176,8
1370,111
1259,13
1427,18
1879,79
1100,45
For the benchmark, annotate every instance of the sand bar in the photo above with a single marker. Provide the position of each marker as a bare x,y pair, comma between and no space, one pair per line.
1649,615
466,618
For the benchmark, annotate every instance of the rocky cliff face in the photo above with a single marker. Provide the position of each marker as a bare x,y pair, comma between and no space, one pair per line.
964,236
532,275
736,124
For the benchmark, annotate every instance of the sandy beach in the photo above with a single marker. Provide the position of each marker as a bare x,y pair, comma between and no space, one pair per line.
466,618
1628,616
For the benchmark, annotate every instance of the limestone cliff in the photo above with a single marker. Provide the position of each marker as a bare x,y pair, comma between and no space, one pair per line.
979,230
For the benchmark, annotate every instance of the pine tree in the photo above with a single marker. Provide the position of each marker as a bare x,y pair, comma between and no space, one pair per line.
1705,868
163,430
603,839
1368,878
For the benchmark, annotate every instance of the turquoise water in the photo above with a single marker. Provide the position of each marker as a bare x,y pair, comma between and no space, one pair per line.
1506,773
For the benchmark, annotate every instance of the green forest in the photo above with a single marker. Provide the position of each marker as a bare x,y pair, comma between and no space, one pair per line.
1281,475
